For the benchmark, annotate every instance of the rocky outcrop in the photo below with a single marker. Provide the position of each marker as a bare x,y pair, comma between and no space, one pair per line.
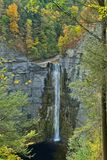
24,75
35,79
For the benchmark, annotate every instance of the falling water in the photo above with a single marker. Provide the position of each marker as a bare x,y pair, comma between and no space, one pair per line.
56,77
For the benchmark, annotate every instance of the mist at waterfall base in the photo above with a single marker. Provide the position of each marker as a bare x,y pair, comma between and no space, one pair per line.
53,149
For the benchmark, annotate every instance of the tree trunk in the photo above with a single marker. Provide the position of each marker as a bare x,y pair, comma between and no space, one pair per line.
104,95
104,126
104,88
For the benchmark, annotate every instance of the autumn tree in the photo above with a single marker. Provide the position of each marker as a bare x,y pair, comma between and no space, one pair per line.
29,39
65,41
99,9
13,14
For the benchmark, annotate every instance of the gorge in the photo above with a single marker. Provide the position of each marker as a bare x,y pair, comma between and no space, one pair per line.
53,74
48,90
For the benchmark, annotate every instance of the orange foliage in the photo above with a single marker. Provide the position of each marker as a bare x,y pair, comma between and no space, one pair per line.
71,36
14,27
13,14
12,11
89,16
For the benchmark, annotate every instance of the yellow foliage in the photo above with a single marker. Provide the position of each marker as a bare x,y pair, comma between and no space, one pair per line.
78,29
8,153
17,81
102,10
32,6
12,75
36,41
74,10
3,77
95,144
54,15
29,40
71,34
13,14
86,142
12,11
29,23
28,82
14,27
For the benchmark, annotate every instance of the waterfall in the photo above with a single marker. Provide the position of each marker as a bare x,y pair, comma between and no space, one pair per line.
56,78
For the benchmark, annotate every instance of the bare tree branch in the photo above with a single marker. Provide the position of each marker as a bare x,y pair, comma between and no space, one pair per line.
68,14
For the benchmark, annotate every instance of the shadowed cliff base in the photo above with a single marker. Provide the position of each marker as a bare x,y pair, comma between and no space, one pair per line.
47,151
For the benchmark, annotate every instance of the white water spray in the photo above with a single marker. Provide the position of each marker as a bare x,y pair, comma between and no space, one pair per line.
56,77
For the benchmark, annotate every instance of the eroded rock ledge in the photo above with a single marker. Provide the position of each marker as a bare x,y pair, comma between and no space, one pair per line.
33,78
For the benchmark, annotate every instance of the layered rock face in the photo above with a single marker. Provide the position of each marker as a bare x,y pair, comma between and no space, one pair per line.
24,75
35,79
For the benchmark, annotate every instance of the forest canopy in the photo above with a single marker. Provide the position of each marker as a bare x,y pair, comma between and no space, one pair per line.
39,28
42,29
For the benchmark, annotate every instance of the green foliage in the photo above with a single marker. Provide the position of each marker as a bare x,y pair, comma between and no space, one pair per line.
8,154
39,39
4,20
16,130
29,41
85,144
33,6
86,141
48,22
11,117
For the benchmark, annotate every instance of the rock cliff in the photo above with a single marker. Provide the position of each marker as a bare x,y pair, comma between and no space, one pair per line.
35,79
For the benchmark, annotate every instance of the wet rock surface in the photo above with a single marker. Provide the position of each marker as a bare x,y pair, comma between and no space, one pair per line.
36,80
29,75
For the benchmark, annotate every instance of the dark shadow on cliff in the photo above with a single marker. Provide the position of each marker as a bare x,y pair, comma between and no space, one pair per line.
47,151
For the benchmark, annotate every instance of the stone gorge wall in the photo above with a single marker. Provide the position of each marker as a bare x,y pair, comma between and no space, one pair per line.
31,77
70,64
36,80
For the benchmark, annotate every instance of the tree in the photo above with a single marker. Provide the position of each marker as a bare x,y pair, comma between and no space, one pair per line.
29,40
16,131
65,41
86,141
13,14
98,6
104,81
103,15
